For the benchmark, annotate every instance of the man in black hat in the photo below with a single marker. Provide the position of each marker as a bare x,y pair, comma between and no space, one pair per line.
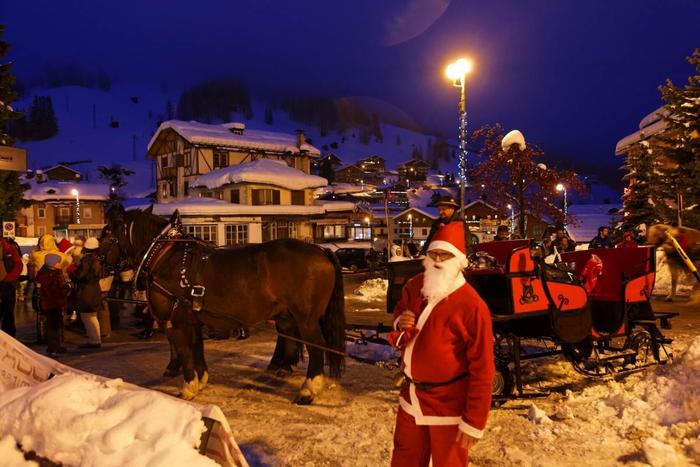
448,209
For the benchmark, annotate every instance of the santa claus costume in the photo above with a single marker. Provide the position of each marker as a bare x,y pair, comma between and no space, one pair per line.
448,360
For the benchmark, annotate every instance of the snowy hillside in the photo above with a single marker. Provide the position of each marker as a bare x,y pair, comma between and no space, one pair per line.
85,119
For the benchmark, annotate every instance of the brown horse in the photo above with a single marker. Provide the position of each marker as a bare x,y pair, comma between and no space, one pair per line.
190,283
689,239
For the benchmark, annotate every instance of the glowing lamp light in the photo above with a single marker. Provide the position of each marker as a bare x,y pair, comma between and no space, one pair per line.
459,68
74,192
560,187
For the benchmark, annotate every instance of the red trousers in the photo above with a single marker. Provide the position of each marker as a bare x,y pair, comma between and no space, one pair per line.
415,444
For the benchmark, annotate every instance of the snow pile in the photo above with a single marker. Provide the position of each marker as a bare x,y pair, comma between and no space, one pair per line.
266,171
77,420
11,456
372,289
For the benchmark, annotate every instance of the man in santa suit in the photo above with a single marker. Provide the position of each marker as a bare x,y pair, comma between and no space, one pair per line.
444,329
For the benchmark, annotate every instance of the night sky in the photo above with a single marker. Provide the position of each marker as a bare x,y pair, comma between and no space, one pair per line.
574,76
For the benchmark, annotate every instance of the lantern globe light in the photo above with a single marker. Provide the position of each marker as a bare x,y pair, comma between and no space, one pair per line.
74,192
459,68
560,187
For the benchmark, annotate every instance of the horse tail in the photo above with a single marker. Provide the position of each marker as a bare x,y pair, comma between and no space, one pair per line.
333,321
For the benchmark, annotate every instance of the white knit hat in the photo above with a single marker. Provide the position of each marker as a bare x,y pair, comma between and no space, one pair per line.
91,244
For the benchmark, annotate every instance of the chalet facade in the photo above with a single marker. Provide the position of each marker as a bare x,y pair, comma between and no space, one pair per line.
259,201
61,173
63,209
373,164
414,224
415,170
184,151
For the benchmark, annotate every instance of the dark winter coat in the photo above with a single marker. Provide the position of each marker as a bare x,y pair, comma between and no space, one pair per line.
599,242
53,289
436,225
12,261
87,279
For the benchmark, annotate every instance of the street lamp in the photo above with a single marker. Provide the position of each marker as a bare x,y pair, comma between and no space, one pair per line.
561,187
410,226
457,72
369,228
76,193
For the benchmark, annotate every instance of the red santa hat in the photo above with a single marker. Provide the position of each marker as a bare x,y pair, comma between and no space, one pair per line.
64,245
450,237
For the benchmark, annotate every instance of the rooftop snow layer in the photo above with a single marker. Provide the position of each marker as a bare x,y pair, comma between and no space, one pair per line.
266,171
211,206
221,135
63,190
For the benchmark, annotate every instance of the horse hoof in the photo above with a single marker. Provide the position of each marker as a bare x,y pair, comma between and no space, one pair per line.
280,371
190,389
203,380
169,373
304,399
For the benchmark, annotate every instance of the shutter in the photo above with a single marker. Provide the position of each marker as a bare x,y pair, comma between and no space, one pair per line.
275,197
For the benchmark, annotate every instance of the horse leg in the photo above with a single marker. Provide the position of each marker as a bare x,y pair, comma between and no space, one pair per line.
199,363
173,368
182,334
314,382
674,281
287,352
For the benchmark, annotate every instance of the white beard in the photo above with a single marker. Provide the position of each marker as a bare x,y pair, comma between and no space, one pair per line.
439,278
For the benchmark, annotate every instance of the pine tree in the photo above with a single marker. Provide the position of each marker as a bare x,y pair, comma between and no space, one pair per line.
42,119
377,129
7,94
639,205
116,176
416,152
269,117
11,187
677,148
516,177
326,170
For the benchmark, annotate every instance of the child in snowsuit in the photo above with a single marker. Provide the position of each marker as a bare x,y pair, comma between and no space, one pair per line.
53,297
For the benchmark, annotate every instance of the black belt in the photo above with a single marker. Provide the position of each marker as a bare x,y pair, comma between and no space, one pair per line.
426,386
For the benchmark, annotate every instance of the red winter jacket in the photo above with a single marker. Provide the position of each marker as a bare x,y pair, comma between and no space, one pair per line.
53,289
11,256
455,337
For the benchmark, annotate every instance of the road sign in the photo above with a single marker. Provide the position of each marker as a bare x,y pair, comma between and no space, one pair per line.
13,159
8,229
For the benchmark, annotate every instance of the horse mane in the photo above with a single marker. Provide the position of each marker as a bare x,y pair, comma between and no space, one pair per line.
145,227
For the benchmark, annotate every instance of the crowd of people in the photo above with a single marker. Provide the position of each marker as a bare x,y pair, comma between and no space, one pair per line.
63,281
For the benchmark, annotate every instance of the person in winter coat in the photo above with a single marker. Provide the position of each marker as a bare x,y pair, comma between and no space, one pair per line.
440,318
627,241
447,207
88,295
602,240
45,246
53,295
12,268
502,233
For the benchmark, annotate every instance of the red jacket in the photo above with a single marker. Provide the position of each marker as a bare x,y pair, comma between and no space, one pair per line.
455,337
11,256
53,289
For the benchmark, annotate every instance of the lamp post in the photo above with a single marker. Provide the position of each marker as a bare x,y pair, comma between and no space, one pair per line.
76,193
561,187
369,227
410,226
457,72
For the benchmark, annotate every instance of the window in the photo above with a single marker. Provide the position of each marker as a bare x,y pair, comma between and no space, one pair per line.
331,232
164,190
172,189
236,196
359,232
424,232
86,213
187,188
206,232
41,212
264,197
220,159
64,211
236,234
41,230
298,197
164,162
279,229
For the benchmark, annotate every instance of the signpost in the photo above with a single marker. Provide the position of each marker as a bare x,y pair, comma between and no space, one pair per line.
14,159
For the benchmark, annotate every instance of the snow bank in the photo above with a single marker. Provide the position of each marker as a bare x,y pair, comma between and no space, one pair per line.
78,420
11,456
662,284
372,289
267,171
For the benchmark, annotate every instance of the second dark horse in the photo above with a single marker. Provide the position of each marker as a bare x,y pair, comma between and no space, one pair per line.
296,284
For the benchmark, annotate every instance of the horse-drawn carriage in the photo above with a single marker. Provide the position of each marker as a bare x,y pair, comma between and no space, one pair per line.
599,318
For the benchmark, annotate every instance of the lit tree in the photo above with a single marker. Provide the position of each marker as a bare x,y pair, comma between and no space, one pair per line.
116,175
515,176
639,206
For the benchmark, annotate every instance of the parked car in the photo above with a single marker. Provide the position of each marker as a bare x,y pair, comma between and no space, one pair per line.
353,259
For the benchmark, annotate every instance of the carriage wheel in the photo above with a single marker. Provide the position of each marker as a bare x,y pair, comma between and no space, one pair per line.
502,384
578,352
641,343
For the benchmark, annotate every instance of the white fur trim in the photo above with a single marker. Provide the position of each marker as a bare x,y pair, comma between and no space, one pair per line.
447,246
467,429
421,419
396,323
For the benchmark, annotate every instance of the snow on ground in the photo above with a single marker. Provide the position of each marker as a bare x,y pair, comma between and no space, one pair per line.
79,421
11,456
662,285
372,289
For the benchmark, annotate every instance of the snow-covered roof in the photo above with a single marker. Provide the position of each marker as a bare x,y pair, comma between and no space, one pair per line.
61,166
649,126
347,188
63,190
211,206
221,135
428,212
268,171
